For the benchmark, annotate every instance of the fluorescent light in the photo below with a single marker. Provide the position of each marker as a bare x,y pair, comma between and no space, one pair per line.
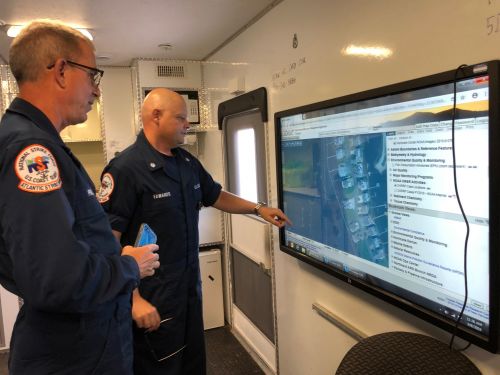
367,51
85,32
14,30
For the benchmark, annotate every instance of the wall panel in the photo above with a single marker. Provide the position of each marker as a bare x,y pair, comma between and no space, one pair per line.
427,37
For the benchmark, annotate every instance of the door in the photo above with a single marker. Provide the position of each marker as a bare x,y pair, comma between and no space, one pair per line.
248,250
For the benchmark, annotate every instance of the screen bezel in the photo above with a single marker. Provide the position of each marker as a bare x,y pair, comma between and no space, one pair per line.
491,68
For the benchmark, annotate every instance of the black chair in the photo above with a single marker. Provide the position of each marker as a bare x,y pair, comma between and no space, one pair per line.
398,353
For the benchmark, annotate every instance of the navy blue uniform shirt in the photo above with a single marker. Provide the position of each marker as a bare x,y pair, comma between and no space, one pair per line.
141,185
57,251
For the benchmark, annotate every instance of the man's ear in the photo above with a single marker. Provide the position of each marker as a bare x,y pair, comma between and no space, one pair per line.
60,72
156,116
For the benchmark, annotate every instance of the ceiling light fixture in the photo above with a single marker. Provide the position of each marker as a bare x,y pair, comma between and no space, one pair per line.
103,56
367,51
14,30
166,46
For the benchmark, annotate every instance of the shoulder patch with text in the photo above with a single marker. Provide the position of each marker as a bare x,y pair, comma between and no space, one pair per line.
37,170
107,186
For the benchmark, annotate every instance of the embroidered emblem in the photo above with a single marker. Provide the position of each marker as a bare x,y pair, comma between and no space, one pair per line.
107,186
196,187
37,170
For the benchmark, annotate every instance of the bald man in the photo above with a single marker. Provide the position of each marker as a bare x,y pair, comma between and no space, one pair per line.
57,250
154,181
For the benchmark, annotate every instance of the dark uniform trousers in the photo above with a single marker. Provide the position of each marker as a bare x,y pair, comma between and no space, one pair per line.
96,343
178,347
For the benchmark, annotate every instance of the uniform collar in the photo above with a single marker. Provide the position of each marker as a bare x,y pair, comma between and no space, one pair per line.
154,159
26,109
151,156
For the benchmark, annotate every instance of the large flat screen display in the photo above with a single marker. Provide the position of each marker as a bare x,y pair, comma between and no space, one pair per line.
368,182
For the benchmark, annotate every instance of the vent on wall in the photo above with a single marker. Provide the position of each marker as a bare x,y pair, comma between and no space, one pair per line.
176,71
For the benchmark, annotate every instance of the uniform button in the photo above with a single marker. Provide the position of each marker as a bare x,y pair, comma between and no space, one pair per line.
152,165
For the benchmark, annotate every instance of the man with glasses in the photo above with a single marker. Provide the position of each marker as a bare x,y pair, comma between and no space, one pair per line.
57,250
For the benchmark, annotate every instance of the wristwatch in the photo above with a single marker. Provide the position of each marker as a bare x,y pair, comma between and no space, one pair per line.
258,206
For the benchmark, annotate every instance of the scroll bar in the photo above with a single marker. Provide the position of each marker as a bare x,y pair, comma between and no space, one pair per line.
339,322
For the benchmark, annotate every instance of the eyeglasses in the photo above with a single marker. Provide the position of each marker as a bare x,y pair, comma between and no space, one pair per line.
94,73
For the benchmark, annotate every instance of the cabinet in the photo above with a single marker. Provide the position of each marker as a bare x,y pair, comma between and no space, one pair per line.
211,284
90,130
85,140
9,307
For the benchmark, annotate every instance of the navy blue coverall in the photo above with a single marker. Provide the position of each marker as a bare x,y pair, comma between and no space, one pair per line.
58,253
142,185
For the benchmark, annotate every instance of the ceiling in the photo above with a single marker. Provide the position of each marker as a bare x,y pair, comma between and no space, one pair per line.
128,29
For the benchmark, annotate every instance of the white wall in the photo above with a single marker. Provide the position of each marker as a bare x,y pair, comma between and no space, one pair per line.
427,37
207,148
10,308
118,109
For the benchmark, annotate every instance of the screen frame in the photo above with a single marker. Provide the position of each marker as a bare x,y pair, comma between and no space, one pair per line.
492,69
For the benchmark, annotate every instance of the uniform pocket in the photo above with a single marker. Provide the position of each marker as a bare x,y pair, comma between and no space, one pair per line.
168,340
159,202
167,289
92,226
45,345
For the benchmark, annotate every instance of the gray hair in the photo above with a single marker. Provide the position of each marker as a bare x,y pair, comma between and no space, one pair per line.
41,43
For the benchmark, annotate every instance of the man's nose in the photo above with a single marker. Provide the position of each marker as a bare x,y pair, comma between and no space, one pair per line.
97,91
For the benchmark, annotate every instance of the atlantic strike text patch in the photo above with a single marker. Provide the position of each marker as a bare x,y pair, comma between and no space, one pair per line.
37,170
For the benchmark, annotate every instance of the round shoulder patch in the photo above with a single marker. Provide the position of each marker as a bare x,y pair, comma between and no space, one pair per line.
107,186
37,170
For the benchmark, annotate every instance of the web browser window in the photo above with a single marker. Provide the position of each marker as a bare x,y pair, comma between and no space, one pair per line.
369,188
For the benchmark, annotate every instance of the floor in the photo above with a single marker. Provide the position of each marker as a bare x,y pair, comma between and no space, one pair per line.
225,355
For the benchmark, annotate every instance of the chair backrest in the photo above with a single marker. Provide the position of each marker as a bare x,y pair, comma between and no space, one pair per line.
404,353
